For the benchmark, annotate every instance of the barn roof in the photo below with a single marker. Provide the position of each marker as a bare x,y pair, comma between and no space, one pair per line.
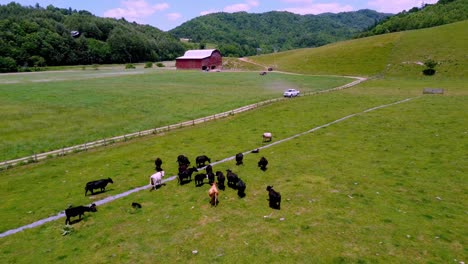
197,54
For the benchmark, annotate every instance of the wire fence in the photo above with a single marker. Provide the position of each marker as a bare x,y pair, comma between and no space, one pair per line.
106,141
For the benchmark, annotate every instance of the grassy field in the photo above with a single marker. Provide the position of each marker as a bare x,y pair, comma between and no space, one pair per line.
50,110
385,186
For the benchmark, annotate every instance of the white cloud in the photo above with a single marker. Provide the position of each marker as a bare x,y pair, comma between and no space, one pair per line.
174,16
396,6
211,11
309,8
234,8
237,8
135,10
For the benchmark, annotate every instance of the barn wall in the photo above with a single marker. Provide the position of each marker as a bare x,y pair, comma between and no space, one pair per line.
215,61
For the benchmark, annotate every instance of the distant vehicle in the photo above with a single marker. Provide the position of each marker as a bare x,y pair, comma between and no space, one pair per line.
291,93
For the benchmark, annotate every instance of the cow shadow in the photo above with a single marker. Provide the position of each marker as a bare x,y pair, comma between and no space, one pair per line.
75,221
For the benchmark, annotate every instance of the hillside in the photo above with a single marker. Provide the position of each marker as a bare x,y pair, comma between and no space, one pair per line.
37,36
444,12
394,54
243,34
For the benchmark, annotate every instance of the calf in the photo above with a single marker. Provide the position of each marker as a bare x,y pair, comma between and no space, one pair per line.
156,180
78,211
199,179
262,163
158,163
221,180
239,158
240,188
274,197
99,184
200,160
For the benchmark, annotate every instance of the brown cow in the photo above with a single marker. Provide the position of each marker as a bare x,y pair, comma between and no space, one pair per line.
213,193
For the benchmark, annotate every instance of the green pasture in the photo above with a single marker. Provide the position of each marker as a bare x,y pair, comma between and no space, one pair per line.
387,186
397,54
44,111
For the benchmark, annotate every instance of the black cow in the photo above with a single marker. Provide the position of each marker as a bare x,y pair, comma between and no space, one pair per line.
136,205
99,184
209,169
200,160
239,159
186,174
241,188
221,180
262,163
211,178
199,179
274,197
158,163
183,160
232,178
78,211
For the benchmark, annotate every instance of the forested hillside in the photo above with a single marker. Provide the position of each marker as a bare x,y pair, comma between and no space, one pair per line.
444,12
244,34
36,36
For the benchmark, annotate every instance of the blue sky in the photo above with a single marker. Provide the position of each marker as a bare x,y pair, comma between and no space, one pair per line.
168,14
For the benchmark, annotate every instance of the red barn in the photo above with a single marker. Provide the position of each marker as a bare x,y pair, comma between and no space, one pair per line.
209,59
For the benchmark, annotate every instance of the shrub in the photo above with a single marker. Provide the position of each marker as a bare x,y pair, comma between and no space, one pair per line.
129,66
149,65
430,64
160,64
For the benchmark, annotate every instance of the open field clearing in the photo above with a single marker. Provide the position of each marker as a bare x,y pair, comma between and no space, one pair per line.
388,186
50,110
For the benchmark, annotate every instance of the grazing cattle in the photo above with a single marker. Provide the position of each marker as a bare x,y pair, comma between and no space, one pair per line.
136,205
156,180
255,150
221,180
232,178
158,163
186,174
199,179
99,184
183,160
240,188
239,159
262,163
200,160
211,177
209,169
213,193
78,211
274,198
267,136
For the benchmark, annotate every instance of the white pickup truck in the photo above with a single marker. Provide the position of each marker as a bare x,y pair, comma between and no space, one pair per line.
291,93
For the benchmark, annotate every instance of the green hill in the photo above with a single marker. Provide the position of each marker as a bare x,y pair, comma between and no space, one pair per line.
395,54
243,34
36,37
444,12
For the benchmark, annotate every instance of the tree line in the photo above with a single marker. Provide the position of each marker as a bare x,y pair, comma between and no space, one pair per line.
34,36
444,12
244,34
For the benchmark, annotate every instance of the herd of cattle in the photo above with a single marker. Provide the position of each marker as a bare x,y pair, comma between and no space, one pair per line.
216,180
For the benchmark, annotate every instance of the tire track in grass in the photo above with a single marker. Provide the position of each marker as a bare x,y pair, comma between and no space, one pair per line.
117,196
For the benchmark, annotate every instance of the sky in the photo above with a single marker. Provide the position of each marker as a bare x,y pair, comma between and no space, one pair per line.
168,14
